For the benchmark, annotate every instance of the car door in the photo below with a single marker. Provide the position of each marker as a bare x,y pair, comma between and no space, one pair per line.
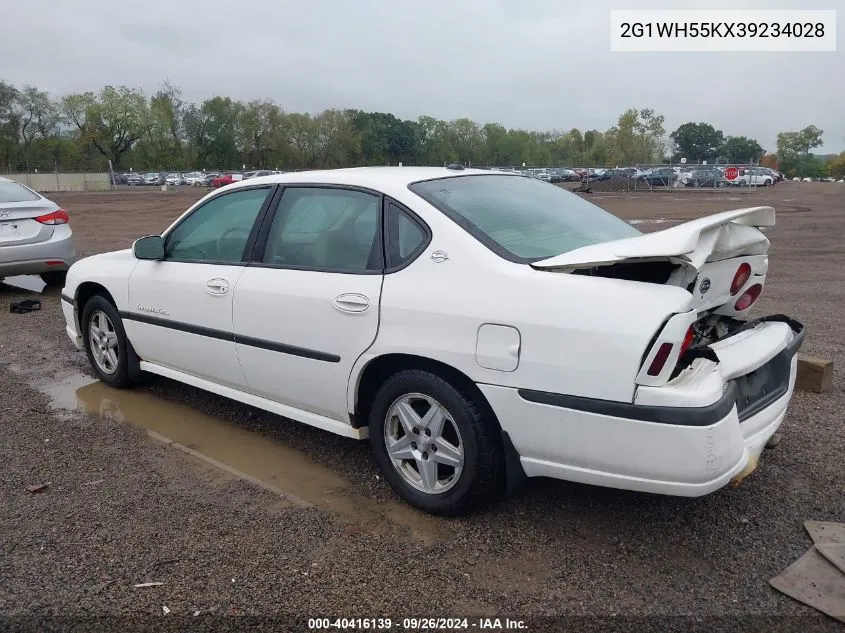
181,306
308,305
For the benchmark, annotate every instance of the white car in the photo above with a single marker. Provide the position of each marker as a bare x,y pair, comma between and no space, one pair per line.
476,326
194,179
174,179
755,176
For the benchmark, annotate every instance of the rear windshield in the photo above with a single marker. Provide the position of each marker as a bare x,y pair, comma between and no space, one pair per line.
13,192
522,219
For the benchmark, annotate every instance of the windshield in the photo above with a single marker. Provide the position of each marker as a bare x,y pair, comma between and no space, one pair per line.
522,219
13,192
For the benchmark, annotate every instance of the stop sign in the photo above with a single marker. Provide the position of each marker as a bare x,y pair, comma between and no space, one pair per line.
731,173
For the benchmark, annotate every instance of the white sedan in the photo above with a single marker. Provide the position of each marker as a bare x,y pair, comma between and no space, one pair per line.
478,327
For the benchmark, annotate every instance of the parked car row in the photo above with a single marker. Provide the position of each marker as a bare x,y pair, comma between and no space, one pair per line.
825,179
191,178
661,176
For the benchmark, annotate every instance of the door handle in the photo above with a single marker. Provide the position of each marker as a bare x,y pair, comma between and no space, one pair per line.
217,286
351,302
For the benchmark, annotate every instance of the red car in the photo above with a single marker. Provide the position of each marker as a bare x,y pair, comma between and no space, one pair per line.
225,179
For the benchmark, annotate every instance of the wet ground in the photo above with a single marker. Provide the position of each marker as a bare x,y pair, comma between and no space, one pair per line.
239,511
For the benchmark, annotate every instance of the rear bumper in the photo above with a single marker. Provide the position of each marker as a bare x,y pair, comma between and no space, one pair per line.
688,438
31,259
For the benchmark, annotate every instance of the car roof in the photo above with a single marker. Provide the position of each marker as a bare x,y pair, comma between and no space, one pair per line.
378,178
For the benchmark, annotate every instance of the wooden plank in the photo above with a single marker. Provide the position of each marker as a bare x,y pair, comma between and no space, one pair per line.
814,374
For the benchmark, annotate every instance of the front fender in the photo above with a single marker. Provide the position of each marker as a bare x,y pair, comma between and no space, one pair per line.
110,271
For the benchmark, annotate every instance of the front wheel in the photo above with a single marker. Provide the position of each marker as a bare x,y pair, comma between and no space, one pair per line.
109,351
435,446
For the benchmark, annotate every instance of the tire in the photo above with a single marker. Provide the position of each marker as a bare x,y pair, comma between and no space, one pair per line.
481,475
54,278
125,368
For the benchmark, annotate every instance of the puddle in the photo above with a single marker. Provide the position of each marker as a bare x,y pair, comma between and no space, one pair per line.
26,282
249,452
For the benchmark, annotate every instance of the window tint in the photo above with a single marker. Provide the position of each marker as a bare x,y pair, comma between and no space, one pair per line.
522,219
13,192
218,231
405,236
335,229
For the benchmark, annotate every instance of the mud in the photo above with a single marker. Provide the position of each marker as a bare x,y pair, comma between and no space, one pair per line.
239,450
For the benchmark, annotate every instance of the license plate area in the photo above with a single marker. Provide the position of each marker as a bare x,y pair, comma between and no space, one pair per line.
9,228
761,387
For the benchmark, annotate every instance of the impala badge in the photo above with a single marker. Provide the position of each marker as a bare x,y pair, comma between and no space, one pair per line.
705,285
153,309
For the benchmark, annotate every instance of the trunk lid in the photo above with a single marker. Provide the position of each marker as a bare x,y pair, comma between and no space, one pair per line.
712,238
702,256
17,223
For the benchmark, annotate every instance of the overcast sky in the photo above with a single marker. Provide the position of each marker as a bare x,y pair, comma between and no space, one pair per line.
536,64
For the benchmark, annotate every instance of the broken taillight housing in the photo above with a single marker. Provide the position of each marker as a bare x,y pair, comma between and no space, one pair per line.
688,339
748,297
665,350
743,274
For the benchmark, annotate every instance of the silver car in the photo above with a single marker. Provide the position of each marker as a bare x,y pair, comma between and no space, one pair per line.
35,237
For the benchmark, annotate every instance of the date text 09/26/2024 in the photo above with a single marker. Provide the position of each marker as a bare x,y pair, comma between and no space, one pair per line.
417,624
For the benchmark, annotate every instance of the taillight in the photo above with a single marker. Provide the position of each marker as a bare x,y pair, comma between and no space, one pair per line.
665,350
56,217
660,359
688,338
748,297
743,274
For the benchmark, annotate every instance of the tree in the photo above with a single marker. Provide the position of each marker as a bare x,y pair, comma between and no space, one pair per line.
384,139
213,129
9,123
466,139
794,152
697,141
259,126
164,128
794,144
740,149
39,118
638,137
112,120
836,167
769,160
435,143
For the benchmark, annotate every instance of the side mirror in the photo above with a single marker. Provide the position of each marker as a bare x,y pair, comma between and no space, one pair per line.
149,247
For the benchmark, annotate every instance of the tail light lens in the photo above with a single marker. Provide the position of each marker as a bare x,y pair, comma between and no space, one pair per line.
56,217
743,274
665,351
748,297
660,359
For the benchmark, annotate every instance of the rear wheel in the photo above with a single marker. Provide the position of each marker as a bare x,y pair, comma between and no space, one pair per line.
109,351
433,444
54,277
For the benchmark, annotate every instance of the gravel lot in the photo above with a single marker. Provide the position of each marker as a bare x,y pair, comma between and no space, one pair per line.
123,509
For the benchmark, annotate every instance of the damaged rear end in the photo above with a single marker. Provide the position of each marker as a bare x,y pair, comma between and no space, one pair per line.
710,363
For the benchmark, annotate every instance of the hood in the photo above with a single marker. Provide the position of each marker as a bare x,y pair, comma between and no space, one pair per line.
711,238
